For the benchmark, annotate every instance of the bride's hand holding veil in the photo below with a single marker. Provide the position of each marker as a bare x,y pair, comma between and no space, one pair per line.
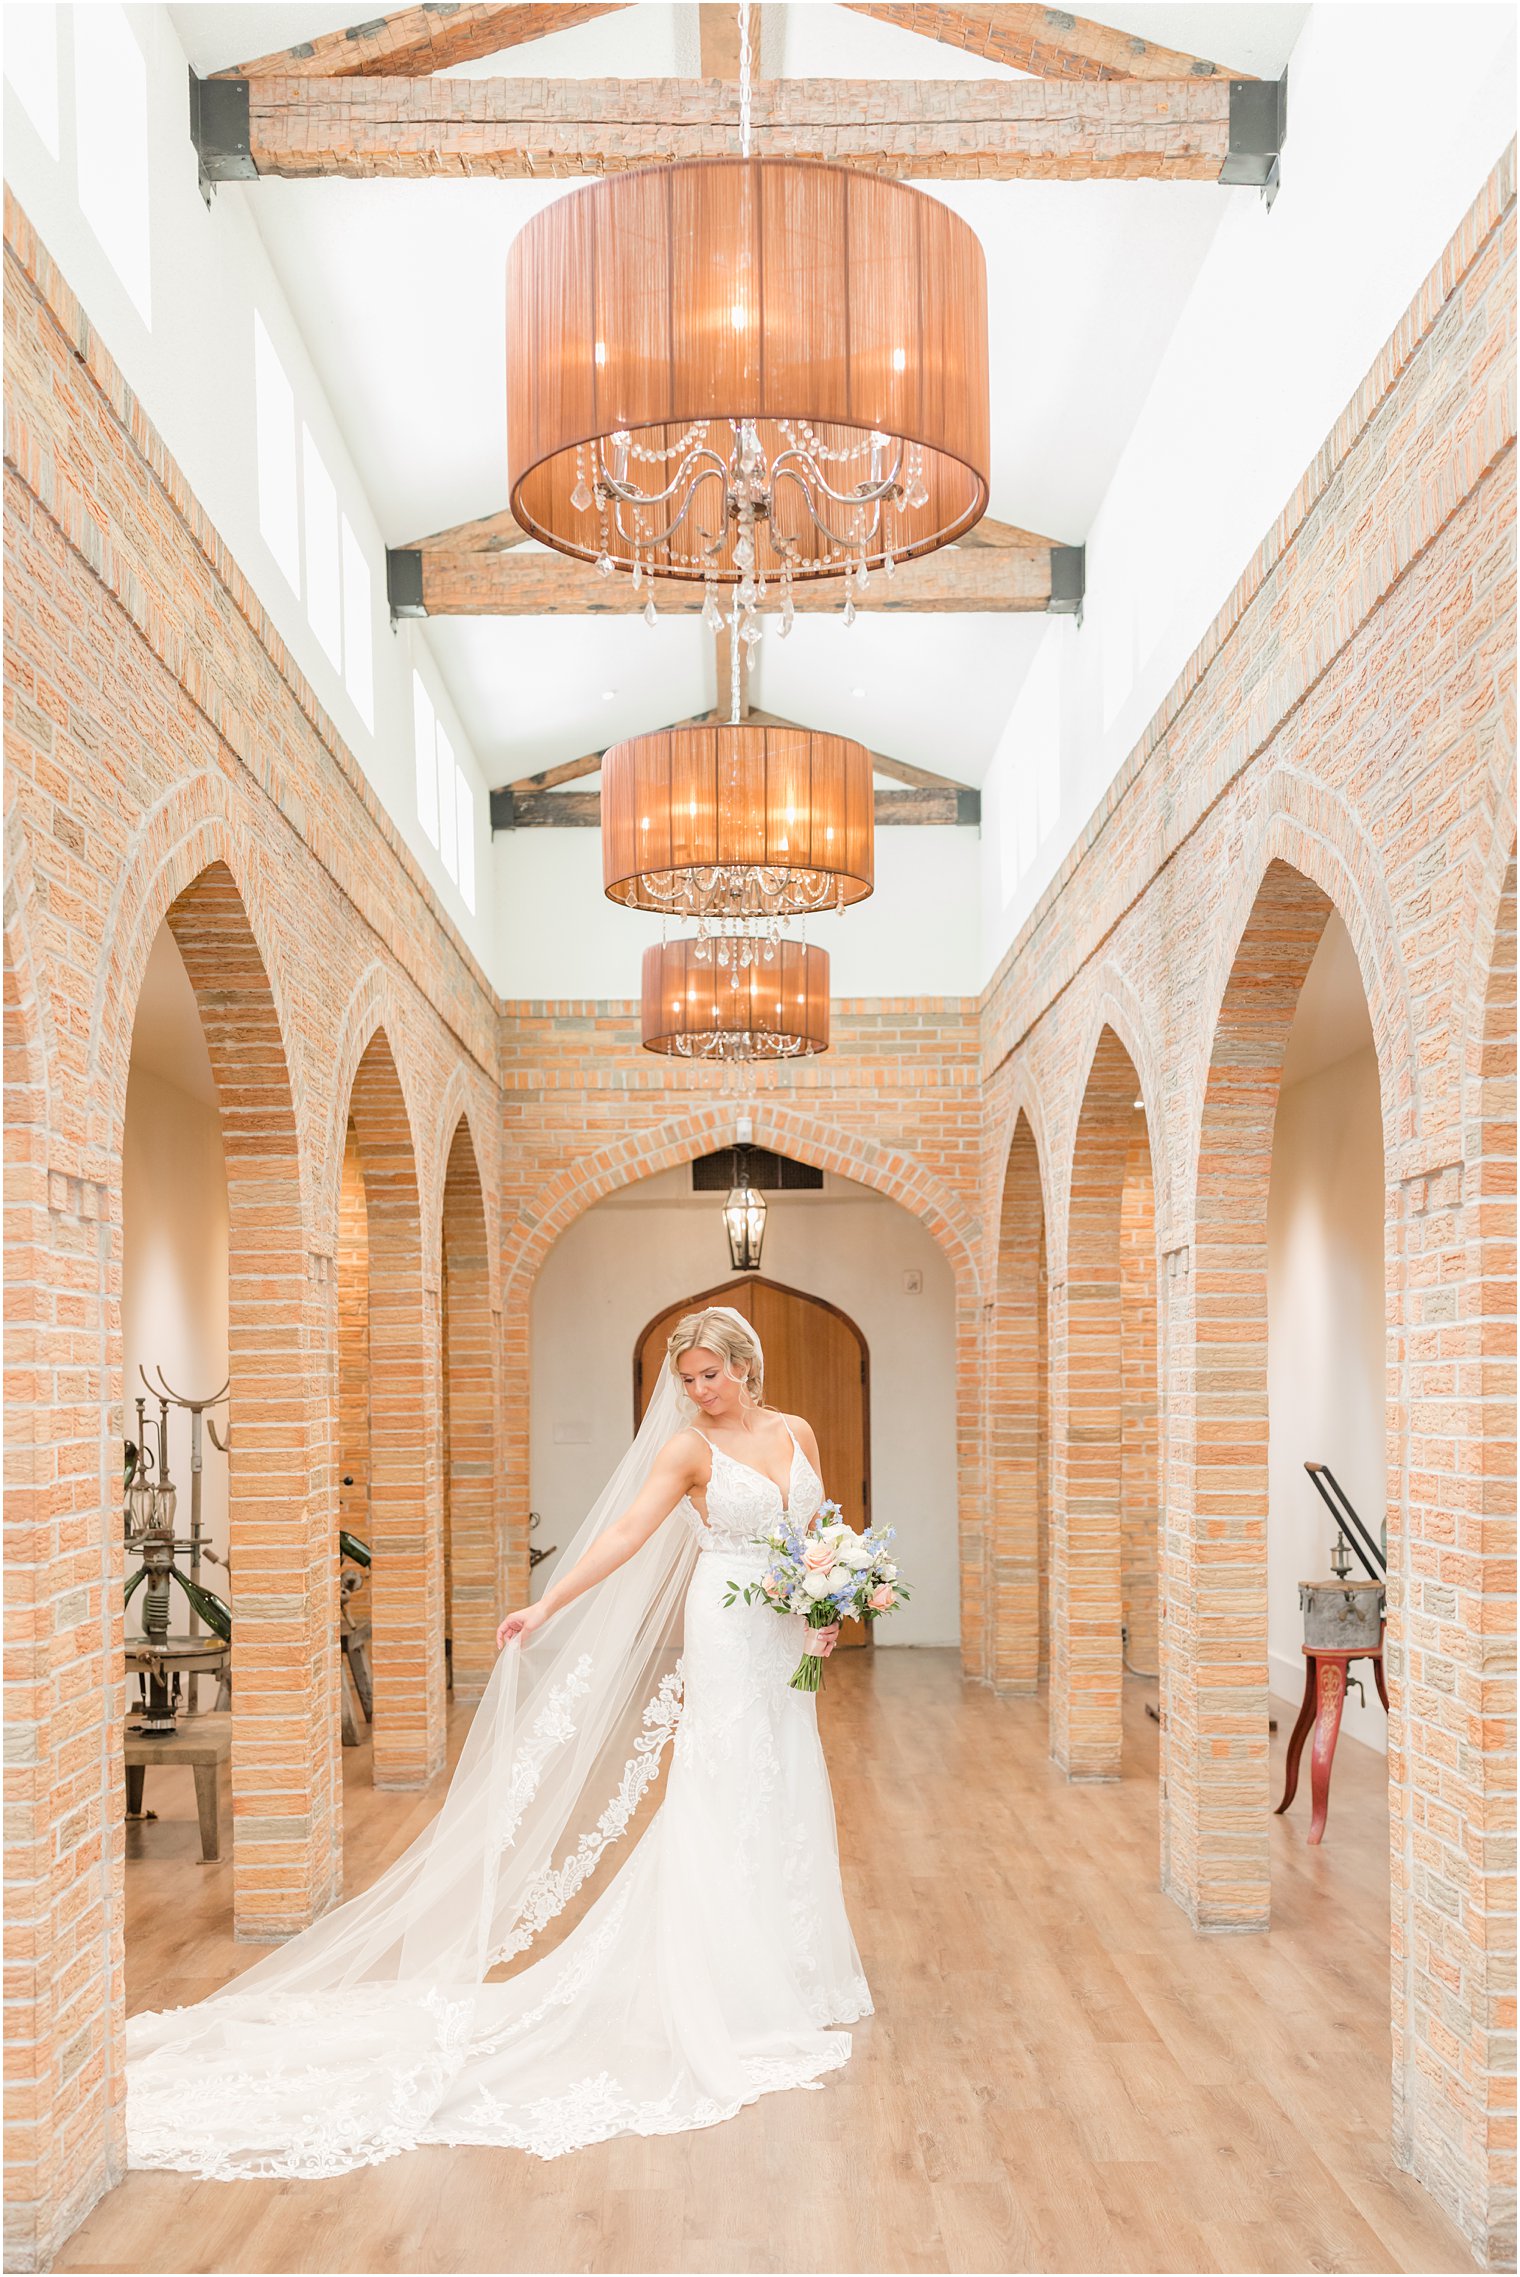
677,1467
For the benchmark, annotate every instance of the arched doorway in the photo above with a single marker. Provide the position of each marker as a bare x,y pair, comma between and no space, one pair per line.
816,1364
1218,1823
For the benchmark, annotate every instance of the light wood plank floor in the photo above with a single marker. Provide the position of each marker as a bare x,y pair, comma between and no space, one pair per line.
1060,2074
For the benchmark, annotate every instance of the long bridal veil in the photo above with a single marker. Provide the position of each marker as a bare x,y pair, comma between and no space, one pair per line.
332,2051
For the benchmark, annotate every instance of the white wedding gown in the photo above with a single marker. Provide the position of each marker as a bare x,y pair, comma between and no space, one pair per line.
709,1971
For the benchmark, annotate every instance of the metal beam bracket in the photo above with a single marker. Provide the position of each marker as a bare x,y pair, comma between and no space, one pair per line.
968,808
1068,581
1258,130
219,129
403,582
503,810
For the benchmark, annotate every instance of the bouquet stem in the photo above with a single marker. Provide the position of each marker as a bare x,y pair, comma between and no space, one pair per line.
809,1674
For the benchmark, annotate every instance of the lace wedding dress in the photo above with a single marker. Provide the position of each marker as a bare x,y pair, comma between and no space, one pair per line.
711,1970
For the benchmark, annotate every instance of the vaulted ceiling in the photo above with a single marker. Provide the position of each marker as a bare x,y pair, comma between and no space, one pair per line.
398,283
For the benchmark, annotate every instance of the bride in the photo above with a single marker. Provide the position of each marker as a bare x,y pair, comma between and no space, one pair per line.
714,1963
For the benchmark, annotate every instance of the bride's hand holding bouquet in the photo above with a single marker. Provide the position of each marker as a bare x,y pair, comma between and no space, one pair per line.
828,1573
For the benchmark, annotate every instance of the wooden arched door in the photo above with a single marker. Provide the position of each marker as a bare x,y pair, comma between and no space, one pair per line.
816,1364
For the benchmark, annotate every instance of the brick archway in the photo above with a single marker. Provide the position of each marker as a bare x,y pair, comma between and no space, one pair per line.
473,1579
785,1130
279,1519
404,1501
1103,1345
1216,1858
1019,1415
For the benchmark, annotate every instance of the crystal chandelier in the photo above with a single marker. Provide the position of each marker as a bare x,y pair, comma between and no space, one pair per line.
740,827
747,373
738,1014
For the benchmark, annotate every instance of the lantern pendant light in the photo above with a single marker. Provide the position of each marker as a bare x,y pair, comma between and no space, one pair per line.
747,373
744,1218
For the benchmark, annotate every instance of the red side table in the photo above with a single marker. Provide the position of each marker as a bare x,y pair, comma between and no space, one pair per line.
1324,1698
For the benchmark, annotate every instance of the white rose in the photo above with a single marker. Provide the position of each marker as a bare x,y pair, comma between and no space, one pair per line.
817,1584
887,1570
855,1553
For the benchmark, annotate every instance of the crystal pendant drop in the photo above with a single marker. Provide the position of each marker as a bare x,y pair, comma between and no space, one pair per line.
849,608
787,614
638,573
889,565
651,614
750,633
580,496
604,562
861,573
918,494
712,615
744,554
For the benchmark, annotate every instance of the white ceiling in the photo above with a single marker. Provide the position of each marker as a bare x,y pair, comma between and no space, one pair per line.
398,287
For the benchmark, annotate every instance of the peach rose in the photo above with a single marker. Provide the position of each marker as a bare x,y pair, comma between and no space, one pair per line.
882,1597
819,1557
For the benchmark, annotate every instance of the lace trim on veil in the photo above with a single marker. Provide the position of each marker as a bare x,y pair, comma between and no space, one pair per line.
552,1890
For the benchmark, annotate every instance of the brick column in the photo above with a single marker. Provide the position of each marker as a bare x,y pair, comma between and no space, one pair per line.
1017,1406
471,1474
405,1502
286,1788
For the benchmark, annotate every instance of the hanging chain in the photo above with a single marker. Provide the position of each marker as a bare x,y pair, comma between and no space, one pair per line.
744,78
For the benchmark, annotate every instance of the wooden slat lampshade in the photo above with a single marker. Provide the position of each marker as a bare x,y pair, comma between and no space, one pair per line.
823,304
737,820
694,1008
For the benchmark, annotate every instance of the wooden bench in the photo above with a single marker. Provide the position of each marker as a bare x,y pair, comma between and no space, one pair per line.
205,1743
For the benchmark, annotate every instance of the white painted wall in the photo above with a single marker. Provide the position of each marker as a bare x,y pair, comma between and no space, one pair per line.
174,1243
558,936
634,1253
1289,310
190,360
1326,1336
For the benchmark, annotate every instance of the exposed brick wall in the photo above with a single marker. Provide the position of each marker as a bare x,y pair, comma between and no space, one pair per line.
1343,738
166,760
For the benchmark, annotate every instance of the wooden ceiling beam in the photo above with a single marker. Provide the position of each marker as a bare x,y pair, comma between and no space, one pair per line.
718,37
416,41
1045,41
526,582
512,809
488,534
946,130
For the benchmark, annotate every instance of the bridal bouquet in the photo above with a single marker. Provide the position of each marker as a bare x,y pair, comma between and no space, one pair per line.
829,1573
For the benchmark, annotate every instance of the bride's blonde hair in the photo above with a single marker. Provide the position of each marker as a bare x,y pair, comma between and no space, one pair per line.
734,1342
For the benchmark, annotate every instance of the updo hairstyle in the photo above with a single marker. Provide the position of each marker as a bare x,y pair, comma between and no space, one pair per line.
732,1340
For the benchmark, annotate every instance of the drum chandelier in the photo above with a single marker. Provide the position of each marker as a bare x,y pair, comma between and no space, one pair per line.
694,1010
747,373
739,826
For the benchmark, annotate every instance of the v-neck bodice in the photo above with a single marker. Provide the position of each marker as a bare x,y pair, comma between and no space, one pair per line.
742,1501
